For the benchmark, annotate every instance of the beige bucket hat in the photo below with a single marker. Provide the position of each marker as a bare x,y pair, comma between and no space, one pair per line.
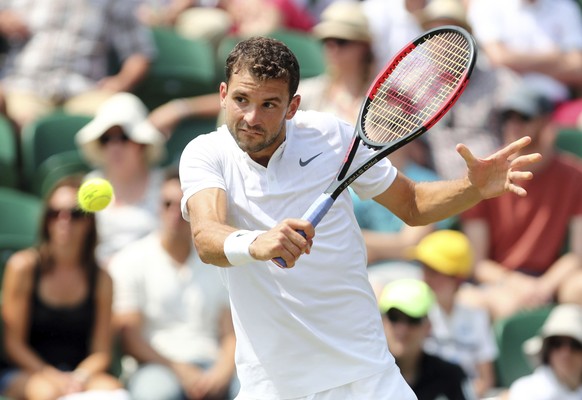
127,111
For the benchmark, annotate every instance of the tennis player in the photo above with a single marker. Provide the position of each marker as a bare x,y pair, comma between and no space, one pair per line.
312,331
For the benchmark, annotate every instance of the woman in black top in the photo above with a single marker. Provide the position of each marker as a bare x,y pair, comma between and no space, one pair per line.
56,307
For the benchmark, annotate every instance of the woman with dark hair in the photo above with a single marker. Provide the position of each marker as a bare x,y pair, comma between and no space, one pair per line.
56,308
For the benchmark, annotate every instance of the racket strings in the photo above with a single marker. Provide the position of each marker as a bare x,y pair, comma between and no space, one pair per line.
418,87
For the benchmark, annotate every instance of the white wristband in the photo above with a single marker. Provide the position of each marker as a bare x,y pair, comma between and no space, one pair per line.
236,246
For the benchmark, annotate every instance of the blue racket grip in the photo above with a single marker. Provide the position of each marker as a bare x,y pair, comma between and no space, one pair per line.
314,214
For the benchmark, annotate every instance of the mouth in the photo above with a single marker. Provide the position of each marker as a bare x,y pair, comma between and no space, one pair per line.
250,131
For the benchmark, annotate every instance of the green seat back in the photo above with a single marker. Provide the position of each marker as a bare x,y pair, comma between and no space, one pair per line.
20,215
49,135
510,334
570,140
8,154
182,68
56,167
186,131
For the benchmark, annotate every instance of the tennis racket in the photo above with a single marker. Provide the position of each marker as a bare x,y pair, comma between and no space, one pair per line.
415,89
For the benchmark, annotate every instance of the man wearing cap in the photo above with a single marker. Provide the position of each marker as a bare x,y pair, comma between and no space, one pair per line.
405,304
460,334
520,261
557,351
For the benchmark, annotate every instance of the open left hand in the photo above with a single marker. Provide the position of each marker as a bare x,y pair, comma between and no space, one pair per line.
501,171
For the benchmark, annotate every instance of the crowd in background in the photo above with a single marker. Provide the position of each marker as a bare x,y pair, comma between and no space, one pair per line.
128,277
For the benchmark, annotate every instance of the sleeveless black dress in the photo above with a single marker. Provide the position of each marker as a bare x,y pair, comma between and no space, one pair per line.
62,335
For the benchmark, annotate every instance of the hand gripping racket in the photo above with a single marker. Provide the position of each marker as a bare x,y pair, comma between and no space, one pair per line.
415,89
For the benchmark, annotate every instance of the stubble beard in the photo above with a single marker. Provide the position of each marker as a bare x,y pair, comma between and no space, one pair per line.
249,148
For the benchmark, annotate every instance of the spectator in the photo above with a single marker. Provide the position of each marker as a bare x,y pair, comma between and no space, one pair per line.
459,334
539,39
126,150
474,118
196,19
520,260
261,17
173,312
60,55
56,308
349,63
168,116
405,304
557,351
393,24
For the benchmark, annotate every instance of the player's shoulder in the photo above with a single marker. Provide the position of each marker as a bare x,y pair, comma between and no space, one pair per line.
325,123
217,139
308,118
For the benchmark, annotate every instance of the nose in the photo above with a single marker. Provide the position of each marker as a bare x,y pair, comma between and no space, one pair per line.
252,116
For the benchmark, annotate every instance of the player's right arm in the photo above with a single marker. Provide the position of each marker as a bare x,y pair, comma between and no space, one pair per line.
207,210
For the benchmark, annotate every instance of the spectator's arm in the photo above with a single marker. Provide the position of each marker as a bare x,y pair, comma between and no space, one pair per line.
133,70
393,245
17,287
99,358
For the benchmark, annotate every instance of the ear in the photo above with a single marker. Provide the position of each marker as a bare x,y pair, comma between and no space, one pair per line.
223,93
293,107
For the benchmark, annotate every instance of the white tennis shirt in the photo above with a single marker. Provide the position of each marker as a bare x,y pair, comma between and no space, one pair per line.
315,326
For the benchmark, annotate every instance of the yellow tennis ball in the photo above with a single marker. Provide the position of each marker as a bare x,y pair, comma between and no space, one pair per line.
95,194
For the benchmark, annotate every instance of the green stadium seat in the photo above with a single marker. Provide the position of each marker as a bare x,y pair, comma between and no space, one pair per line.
20,214
510,333
183,134
9,173
182,68
57,167
570,140
49,135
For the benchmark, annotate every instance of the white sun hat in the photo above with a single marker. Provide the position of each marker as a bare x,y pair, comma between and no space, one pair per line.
128,112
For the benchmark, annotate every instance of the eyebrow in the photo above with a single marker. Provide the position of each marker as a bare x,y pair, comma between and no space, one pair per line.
243,93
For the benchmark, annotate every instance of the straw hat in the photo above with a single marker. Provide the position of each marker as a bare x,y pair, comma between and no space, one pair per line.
447,12
127,111
343,20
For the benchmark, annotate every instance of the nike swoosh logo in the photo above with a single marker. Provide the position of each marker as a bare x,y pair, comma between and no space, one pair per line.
304,163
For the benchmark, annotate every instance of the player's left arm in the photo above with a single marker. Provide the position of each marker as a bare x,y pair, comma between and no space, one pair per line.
426,202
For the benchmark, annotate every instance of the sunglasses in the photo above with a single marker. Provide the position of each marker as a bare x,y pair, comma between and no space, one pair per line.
109,138
556,342
74,213
338,42
515,116
395,317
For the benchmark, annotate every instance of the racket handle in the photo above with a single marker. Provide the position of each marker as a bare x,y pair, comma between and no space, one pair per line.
314,214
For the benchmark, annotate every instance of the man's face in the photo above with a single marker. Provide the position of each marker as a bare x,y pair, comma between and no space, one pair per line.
256,112
516,125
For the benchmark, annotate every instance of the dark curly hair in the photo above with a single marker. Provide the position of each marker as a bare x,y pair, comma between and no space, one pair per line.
265,58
